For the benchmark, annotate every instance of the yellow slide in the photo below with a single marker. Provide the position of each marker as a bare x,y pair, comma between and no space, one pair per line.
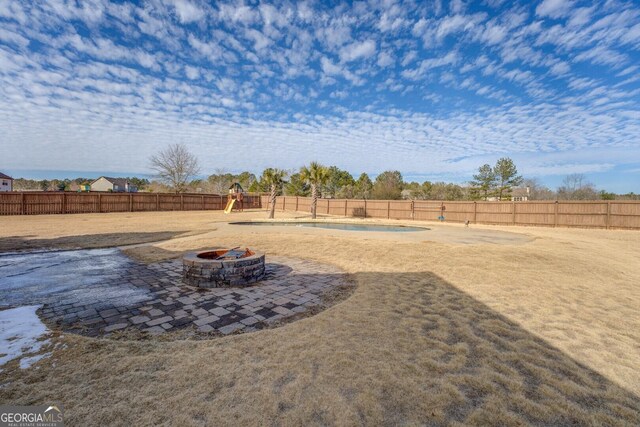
229,206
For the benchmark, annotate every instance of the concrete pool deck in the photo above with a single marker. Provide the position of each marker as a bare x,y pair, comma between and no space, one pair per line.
433,231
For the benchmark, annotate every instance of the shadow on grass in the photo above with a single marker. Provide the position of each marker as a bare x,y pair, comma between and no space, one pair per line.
88,241
501,373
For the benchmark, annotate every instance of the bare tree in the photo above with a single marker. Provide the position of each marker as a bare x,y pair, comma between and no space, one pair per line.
538,191
175,166
576,187
220,181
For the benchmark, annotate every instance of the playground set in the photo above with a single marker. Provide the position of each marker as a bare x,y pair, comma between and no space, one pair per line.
235,198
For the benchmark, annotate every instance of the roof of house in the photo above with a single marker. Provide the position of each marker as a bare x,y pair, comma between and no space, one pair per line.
120,182
3,176
520,192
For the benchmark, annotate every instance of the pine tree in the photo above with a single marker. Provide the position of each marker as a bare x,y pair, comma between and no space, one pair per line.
507,177
484,182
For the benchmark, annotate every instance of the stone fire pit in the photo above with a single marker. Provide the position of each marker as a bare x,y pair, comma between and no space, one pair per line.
220,268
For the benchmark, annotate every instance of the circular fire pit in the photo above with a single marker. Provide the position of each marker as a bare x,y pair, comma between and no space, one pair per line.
220,268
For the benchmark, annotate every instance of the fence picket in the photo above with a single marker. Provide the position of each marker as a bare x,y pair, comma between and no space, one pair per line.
591,214
44,202
594,214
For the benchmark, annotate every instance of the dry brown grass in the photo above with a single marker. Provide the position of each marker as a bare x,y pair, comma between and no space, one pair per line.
102,230
544,332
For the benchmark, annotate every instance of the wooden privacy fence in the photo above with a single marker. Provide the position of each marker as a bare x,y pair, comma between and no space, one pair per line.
593,214
41,203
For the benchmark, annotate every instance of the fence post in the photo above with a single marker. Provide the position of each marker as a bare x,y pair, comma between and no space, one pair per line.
157,202
130,202
23,205
63,208
388,209
513,217
608,224
345,207
296,203
100,202
475,212
413,213
182,202
328,204
555,214
203,206
365,208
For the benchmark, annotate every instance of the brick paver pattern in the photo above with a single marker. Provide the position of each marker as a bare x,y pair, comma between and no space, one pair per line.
290,286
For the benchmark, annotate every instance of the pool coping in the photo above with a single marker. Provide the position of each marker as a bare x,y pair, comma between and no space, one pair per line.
365,224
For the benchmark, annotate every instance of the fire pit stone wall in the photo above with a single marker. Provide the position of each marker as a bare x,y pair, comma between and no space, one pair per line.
199,271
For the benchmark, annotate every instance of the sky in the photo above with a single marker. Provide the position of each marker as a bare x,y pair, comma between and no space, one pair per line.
433,89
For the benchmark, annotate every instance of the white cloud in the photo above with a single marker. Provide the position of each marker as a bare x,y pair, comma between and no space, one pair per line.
628,70
581,16
187,11
358,50
390,22
494,34
13,38
632,36
580,83
385,59
259,39
329,67
304,78
554,8
451,25
560,68
213,51
409,58
602,55
457,6
428,64
191,72
13,10
241,14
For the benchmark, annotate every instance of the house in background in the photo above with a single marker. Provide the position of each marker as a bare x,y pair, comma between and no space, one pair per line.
116,185
517,195
6,182
520,194
80,188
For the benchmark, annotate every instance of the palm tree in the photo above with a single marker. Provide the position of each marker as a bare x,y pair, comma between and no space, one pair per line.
274,178
315,175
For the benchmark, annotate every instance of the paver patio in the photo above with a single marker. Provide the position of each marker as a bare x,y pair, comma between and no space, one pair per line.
291,286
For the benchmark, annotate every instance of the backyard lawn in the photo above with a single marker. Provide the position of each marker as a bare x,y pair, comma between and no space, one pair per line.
479,325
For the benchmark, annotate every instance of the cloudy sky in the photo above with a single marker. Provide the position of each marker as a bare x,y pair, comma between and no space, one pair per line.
431,88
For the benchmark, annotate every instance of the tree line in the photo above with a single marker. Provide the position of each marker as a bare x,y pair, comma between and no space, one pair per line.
67,184
177,170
